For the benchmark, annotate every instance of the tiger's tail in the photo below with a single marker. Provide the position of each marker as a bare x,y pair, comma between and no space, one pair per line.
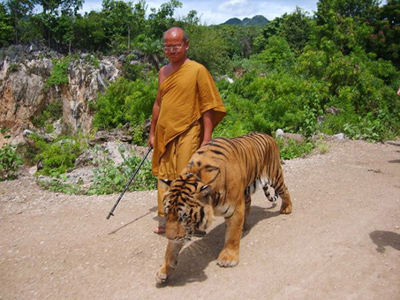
266,185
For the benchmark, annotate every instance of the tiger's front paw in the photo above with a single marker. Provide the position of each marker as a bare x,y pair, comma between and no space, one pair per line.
228,258
286,209
162,275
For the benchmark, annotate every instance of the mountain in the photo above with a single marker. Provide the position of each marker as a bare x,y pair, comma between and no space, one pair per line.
233,21
255,21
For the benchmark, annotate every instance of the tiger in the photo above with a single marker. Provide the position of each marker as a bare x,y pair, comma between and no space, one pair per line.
219,180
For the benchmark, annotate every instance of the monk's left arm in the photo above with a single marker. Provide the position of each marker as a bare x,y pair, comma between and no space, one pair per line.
207,126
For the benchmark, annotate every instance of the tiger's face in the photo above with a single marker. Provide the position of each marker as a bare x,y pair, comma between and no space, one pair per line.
188,207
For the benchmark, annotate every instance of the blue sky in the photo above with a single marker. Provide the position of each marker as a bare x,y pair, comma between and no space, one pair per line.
216,12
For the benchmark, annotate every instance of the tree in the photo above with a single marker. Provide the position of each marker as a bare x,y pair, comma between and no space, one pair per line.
208,47
296,28
57,18
6,28
89,33
162,19
19,9
360,9
385,40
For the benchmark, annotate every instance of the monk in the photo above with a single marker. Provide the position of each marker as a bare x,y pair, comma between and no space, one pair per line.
186,110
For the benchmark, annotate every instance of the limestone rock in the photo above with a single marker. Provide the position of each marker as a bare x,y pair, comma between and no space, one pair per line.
24,71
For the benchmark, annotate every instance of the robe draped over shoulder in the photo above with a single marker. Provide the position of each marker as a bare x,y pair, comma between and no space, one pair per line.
185,95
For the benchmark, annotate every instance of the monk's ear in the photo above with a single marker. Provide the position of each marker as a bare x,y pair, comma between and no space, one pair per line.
165,183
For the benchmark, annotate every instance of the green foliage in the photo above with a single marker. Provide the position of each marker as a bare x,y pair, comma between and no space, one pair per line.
162,18
59,156
18,10
290,148
10,161
111,178
278,100
59,73
322,146
124,102
133,69
27,153
208,48
6,28
295,28
13,68
58,186
51,113
277,53
385,40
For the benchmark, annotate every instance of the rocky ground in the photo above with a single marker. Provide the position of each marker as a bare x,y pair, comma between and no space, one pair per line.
342,240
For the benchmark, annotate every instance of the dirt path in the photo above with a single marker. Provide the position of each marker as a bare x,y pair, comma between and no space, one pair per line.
342,240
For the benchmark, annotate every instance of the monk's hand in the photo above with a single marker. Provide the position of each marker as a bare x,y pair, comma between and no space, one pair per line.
204,142
150,142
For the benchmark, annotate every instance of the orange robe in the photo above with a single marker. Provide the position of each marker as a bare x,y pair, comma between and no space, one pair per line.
185,95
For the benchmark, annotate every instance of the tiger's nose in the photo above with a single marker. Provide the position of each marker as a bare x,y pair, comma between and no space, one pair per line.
174,230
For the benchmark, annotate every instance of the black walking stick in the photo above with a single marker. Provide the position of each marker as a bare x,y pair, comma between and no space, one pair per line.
111,213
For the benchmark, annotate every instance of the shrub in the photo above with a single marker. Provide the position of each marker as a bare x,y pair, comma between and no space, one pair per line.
125,102
290,148
9,163
59,156
111,178
59,73
51,113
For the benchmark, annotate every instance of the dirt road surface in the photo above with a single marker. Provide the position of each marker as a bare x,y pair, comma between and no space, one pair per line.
342,240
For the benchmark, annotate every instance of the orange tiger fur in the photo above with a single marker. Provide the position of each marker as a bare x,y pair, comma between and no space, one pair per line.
219,180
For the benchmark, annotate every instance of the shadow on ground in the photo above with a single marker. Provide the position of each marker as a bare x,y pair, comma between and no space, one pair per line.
385,239
194,259
394,143
394,161
133,221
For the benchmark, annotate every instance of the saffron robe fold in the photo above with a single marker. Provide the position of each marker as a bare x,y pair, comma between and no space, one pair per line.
185,95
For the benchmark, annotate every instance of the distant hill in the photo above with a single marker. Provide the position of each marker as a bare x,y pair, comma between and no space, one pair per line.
255,21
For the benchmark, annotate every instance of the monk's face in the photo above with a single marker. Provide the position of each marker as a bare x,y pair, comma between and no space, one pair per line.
175,47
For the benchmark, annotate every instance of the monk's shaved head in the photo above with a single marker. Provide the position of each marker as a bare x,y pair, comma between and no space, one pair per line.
176,32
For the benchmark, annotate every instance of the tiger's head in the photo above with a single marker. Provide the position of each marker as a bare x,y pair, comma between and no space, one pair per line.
188,207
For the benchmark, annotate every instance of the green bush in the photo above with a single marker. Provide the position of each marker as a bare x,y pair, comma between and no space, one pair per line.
57,186
125,102
59,73
10,161
290,148
51,113
59,156
111,178
133,69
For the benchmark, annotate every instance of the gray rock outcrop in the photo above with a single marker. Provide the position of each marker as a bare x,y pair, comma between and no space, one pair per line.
24,71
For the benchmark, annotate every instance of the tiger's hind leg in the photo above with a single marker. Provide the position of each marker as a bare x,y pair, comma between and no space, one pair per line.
247,203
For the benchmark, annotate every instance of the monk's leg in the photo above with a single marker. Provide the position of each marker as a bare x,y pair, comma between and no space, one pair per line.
187,145
166,171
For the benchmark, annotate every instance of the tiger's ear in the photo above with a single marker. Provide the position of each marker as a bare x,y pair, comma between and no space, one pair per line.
165,183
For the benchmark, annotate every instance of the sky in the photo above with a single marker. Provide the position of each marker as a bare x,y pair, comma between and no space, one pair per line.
217,12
